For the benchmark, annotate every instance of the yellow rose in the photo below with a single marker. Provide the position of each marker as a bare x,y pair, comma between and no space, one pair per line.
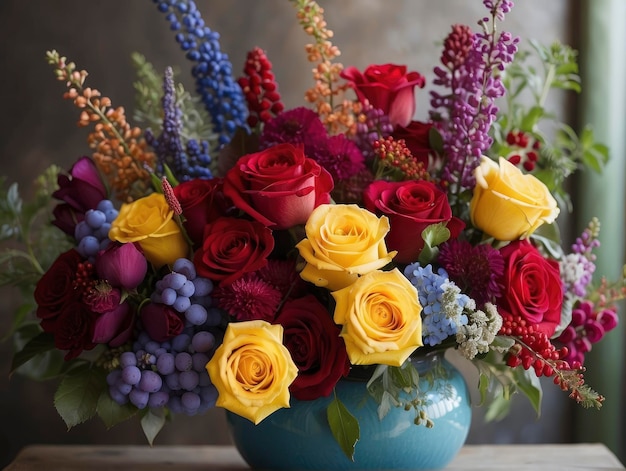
380,315
252,370
508,204
148,221
342,242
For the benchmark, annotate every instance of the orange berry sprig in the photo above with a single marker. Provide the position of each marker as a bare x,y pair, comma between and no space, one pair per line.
327,89
393,155
119,151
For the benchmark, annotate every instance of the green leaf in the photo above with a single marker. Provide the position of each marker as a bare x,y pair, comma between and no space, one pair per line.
531,118
498,408
528,383
113,413
433,235
344,426
152,422
76,399
37,345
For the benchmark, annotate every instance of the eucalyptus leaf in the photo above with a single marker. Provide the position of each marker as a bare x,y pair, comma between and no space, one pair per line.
344,427
152,422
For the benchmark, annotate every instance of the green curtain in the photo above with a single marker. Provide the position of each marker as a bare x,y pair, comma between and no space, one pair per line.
603,105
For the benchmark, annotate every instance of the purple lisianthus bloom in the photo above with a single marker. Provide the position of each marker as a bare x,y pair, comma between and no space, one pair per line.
80,191
122,265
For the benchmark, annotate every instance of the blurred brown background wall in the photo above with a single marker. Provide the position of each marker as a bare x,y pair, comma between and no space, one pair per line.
37,128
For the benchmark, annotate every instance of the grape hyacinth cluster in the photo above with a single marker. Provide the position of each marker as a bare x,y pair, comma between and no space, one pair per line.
92,233
464,116
442,303
185,163
212,71
173,372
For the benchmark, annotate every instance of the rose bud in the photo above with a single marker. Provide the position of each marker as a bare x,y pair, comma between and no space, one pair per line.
160,321
122,265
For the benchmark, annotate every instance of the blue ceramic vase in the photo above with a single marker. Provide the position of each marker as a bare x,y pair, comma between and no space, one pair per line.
299,438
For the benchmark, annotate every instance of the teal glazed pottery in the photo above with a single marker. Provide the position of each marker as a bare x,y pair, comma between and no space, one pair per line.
299,438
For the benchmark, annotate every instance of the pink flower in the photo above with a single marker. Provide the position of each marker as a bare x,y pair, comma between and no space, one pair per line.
122,265
387,87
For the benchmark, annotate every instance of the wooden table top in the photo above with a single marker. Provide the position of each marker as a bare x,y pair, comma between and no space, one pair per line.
225,458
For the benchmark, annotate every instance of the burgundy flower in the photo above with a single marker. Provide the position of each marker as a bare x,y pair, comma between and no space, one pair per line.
475,269
80,191
296,126
161,322
283,275
249,298
341,157
56,288
318,351
73,329
122,265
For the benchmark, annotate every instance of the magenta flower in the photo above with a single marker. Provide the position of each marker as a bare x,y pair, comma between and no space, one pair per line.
122,265
249,298
82,190
114,327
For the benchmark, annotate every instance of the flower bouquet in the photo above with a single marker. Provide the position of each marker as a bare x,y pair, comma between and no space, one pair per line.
234,253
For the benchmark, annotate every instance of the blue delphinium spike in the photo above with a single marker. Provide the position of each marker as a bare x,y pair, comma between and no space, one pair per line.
185,163
212,71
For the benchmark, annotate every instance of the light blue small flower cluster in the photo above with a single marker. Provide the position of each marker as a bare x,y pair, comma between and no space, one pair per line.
220,93
442,303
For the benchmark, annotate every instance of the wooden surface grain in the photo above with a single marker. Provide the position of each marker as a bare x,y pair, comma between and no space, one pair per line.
210,458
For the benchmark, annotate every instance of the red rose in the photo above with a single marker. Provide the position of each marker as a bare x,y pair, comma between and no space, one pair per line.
316,348
202,201
161,321
416,138
73,329
55,289
278,186
411,206
532,286
387,87
232,247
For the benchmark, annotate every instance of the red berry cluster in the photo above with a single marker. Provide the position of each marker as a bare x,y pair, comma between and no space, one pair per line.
534,349
527,146
395,154
260,88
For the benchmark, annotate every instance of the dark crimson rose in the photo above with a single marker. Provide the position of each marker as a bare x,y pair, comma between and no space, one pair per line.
533,290
161,321
387,87
82,190
316,348
278,186
73,329
411,206
232,247
416,138
55,289
202,201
